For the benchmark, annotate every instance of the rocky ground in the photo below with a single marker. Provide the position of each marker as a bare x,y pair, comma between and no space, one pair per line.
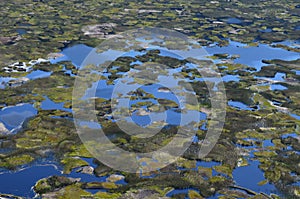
33,29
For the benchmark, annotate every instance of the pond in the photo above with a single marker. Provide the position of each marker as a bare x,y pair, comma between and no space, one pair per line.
250,176
246,176
252,55
14,116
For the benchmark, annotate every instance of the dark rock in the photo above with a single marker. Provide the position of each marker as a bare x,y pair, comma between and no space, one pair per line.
52,183
9,40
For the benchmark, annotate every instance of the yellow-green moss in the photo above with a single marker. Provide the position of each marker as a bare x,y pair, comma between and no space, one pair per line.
71,163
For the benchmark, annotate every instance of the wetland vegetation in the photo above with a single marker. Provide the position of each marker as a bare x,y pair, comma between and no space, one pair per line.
255,47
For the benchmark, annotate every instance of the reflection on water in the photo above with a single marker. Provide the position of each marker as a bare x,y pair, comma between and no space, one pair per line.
21,31
19,183
13,117
277,87
234,21
249,177
38,74
48,104
4,81
239,105
180,191
253,56
249,55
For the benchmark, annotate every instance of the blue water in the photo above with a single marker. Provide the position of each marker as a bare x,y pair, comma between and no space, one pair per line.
170,116
134,53
241,176
38,74
180,191
92,125
295,116
294,135
136,62
279,76
195,139
21,31
290,43
48,104
153,89
103,90
4,81
234,21
266,30
217,80
207,164
20,182
267,143
239,105
169,54
225,78
253,56
228,78
141,120
174,118
76,53
13,117
86,177
210,164
277,87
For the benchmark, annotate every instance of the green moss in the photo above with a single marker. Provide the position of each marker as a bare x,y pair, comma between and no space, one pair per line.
204,171
242,162
26,143
15,161
278,144
42,186
109,185
44,132
168,103
225,169
297,192
263,182
80,151
194,195
73,191
194,178
57,94
63,29
101,185
160,189
217,179
71,163
104,195
243,142
53,183
192,107
188,164
265,154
